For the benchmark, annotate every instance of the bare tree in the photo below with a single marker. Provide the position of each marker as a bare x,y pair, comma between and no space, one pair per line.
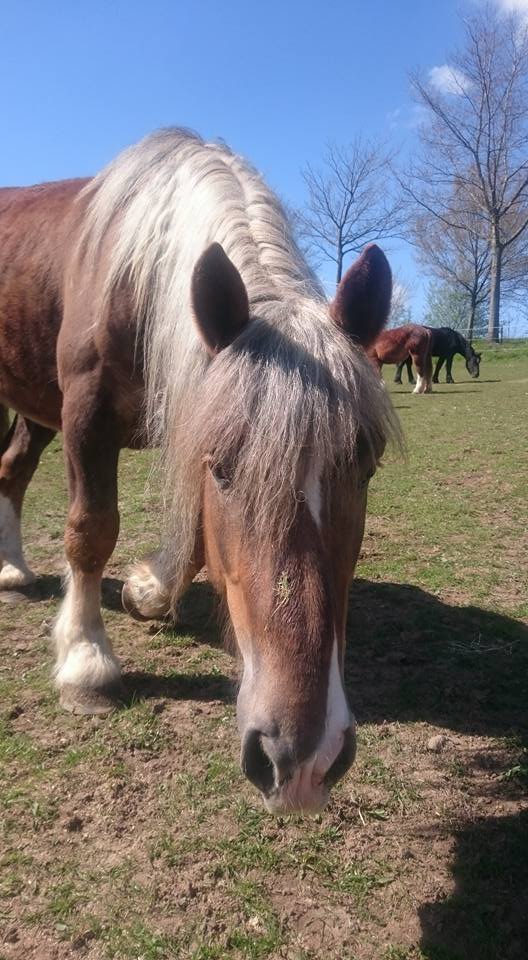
457,256
476,134
351,201
400,311
447,306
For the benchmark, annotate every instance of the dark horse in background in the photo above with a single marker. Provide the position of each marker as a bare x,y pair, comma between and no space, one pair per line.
445,343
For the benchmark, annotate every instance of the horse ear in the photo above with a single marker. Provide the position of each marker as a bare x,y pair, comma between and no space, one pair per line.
362,302
219,299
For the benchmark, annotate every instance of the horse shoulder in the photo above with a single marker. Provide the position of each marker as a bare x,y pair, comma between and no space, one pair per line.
34,240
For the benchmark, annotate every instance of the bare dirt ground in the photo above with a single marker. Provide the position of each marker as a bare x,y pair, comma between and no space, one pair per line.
136,836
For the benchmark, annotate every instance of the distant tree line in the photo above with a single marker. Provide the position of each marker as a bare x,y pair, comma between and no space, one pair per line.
462,201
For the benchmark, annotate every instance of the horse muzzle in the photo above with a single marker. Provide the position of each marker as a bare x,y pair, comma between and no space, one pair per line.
290,782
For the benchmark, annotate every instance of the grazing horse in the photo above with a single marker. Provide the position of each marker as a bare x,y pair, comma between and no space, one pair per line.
445,343
394,346
165,303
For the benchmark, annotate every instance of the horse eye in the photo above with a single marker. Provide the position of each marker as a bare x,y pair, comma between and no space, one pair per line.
365,480
220,475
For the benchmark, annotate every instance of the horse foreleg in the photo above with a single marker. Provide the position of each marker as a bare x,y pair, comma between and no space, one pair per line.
398,374
424,370
449,364
439,364
20,451
409,370
151,591
87,671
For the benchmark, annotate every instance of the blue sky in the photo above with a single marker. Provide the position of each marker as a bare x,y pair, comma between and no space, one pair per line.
277,80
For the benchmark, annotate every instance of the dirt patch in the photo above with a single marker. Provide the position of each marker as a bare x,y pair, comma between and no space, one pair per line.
137,836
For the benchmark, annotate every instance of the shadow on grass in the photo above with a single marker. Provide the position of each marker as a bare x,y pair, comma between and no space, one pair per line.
481,380
486,918
435,392
50,587
409,656
204,687
412,657
449,391
198,621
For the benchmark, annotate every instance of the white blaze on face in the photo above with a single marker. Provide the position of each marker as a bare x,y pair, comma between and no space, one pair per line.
337,712
306,791
338,717
313,493
14,571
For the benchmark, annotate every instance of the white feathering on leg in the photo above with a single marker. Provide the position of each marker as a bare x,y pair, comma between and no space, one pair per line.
14,571
84,653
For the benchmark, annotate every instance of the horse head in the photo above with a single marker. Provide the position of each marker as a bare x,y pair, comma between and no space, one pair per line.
473,362
289,440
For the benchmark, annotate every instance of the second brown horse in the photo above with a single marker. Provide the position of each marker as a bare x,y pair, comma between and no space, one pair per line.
394,346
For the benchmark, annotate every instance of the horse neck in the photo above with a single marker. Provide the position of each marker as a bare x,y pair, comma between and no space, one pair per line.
464,347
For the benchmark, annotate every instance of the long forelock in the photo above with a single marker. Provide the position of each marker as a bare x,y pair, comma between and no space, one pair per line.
281,398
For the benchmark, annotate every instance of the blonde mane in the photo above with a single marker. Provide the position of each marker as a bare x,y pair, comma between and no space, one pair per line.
291,387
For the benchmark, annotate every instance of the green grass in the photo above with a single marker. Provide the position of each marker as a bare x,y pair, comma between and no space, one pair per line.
138,837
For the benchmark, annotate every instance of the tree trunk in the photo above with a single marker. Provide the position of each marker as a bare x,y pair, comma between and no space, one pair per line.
339,258
472,312
494,309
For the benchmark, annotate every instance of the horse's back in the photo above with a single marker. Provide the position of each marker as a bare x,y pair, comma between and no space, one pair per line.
445,341
36,227
395,344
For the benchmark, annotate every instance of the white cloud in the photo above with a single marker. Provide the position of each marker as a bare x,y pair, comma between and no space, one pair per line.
448,79
406,118
393,117
418,116
513,6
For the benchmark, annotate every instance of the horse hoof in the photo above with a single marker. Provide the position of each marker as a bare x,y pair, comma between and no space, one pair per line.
130,607
143,599
90,701
11,577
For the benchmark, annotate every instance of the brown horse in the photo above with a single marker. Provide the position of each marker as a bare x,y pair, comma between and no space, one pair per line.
165,303
395,346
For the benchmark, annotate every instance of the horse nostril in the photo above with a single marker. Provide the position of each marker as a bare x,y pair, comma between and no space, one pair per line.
256,764
282,757
344,759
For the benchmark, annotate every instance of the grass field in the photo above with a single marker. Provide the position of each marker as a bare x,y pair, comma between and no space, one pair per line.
137,836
